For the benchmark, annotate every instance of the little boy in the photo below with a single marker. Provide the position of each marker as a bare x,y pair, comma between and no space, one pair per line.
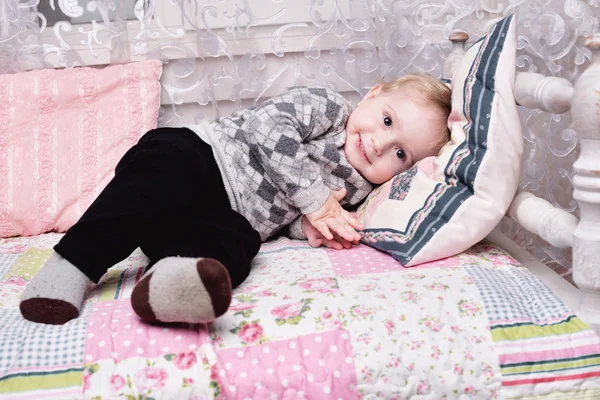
200,201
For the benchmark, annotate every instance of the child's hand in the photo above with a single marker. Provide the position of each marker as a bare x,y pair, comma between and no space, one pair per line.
315,239
332,217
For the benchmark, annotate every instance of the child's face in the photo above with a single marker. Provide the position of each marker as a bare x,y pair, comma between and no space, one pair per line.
388,132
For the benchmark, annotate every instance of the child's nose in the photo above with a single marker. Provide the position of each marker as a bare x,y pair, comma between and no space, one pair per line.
376,146
380,143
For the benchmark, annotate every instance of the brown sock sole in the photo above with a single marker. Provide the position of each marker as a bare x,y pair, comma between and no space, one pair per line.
217,283
48,311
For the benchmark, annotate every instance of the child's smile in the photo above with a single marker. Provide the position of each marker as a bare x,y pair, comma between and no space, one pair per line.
361,149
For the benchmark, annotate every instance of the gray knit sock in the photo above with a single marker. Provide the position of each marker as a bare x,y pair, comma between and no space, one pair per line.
183,289
55,294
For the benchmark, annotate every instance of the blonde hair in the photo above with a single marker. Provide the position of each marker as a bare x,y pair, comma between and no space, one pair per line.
433,92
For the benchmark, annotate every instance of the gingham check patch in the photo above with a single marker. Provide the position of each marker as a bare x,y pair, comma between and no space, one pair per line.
25,344
513,295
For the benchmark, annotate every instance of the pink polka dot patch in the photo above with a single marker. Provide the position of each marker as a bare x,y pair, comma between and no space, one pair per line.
116,332
363,259
316,366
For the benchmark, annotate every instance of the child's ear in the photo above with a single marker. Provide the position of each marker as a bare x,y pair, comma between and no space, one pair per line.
375,90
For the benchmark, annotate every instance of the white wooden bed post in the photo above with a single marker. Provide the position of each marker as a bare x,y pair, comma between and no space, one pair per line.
585,110
458,39
538,216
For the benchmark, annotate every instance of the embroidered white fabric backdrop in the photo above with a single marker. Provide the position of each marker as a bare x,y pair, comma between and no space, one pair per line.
221,55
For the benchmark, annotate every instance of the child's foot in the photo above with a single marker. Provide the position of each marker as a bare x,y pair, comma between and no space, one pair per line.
55,294
181,289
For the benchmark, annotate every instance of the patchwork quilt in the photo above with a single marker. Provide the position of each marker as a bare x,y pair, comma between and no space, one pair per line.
308,323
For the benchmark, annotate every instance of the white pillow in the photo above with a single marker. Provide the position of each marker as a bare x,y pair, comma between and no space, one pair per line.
443,205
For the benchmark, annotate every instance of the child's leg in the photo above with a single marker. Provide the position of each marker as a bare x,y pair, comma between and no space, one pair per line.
157,178
193,274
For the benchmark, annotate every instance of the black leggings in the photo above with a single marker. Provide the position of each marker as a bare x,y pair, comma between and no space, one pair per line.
168,198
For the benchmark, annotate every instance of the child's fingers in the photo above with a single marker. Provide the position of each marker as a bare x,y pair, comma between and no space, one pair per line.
339,194
343,242
313,242
323,229
353,221
332,244
352,236
314,237
337,243
338,226
341,227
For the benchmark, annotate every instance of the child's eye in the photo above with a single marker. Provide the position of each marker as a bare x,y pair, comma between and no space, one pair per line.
387,121
400,154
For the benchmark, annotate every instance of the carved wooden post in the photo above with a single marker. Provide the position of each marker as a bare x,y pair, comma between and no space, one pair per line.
547,93
585,110
458,40
540,217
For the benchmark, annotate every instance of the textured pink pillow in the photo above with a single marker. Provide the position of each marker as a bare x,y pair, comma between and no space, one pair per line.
62,132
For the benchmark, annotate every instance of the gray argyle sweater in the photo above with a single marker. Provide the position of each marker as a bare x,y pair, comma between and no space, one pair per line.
279,158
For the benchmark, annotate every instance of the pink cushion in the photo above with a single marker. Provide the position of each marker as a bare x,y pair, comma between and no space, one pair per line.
62,132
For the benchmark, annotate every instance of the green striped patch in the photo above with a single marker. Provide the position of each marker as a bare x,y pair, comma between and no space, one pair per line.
112,284
530,331
552,365
22,382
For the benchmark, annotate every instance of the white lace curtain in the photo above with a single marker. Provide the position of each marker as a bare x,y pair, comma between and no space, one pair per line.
224,54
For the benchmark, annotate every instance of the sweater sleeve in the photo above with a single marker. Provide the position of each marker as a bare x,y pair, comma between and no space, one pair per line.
295,229
277,131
